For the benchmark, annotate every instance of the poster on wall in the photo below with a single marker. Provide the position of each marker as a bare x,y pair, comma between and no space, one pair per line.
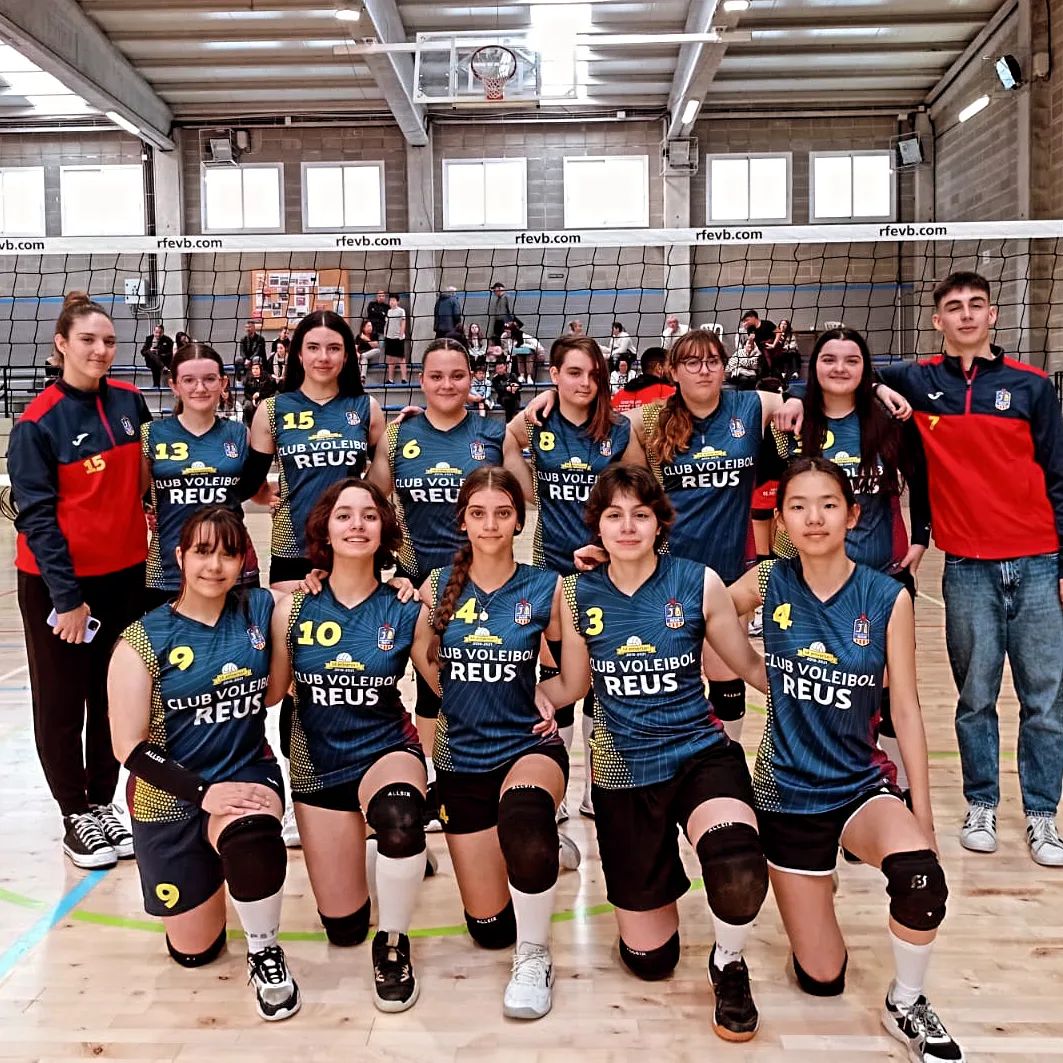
282,297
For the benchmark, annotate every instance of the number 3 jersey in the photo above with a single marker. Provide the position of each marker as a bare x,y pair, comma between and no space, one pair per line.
317,444
208,687
651,714
825,663
347,665
488,657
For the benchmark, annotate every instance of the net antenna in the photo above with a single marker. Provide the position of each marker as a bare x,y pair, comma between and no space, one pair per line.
493,66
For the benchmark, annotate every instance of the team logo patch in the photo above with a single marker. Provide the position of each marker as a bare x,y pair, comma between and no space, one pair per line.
522,612
231,450
673,614
127,424
385,637
477,450
605,448
635,644
862,630
816,651
1003,399
258,640
353,419
738,429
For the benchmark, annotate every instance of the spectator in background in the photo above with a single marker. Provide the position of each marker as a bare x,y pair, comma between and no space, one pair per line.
280,359
650,385
750,322
506,387
252,348
257,386
476,343
480,390
525,350
744,365
673,329
620,376
366,346
447,314
157,352
377,312
575,328
781,360
285,335
620,343
395,341
180,340
499,311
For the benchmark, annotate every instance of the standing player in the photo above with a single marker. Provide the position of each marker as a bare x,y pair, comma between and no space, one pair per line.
355,755
187,687
661,759
502,769
190,460
830,629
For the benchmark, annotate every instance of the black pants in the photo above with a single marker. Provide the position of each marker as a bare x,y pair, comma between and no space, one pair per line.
155,364
68,684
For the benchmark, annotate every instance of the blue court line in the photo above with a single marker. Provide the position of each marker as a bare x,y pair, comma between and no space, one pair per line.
36,933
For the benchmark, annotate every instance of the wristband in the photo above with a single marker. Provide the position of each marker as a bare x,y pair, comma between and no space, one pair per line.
152,764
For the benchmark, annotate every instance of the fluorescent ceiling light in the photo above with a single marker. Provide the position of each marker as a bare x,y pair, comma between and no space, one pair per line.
124,123
973,108
735,5
347,12
690,111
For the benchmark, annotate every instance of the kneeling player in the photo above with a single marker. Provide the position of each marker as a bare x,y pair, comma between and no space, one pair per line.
187,688
355,754
830,629
637,625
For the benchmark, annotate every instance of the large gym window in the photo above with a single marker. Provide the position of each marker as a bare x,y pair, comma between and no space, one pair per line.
102,200
22,201
343,196
851,186
607,192
485,193
748,188
243,198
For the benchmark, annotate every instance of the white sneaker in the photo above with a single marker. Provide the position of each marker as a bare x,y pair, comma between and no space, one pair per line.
568,852
276,994
290,829
1044,842
756,625
528,995
979,831
562,811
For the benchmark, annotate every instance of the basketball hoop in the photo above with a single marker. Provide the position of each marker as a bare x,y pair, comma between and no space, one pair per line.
493,65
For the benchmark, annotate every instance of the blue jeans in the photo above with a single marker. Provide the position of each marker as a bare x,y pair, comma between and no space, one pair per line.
993,608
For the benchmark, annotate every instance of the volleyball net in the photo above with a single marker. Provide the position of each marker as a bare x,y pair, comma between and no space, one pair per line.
874,278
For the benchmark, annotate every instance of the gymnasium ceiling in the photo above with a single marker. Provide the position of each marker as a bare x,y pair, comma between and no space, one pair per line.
207,59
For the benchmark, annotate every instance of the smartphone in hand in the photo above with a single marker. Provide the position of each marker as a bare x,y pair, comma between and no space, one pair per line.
92,625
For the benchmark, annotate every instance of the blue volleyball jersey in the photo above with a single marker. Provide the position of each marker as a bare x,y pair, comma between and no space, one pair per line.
317,444
825,664
566,464
711,482
189,472
488,655
208,689
651,714
347,664
429,466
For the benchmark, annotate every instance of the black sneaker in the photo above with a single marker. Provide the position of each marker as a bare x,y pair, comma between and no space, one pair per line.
114,830
276,994
394,986
85,844
735,1017
432,822
917,1026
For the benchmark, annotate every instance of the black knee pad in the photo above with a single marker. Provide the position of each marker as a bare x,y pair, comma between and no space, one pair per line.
496,931
814,987
396,814
728,697
198,959
653,964
885,723
284,724
253,858
916,885
527,834
346,931
734,870
428,701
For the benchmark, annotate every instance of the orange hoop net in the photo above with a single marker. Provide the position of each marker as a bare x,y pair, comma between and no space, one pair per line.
493,66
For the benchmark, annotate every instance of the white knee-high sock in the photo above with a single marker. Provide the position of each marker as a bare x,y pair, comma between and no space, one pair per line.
261,920
533,912
910,964
398,880
371,857
730,941
430,768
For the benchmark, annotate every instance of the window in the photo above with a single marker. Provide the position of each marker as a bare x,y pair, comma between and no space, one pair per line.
243,198
102,200
485,193
607,192
749,188
343,195
853,186
22,201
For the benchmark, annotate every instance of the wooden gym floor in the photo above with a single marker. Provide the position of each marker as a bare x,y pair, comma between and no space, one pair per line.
83,971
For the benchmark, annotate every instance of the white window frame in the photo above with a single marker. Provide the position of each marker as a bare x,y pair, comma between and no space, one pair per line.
278,166
66,226
343,164
748,156
35,230
446,167
814,218
644,221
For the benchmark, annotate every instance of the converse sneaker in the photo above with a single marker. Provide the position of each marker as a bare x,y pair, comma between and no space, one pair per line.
276,994
394,986
85,844
528,995
979,831
1043,840
562,811
568,852
290,828
917,1026
114,830
735,1017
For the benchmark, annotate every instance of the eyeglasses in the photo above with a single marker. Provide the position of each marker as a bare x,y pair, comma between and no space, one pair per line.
695,365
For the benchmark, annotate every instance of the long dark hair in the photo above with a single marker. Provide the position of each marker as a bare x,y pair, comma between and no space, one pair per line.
880,435
318,548
602,416
815,464
350,378
224,528
190,352
675,427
